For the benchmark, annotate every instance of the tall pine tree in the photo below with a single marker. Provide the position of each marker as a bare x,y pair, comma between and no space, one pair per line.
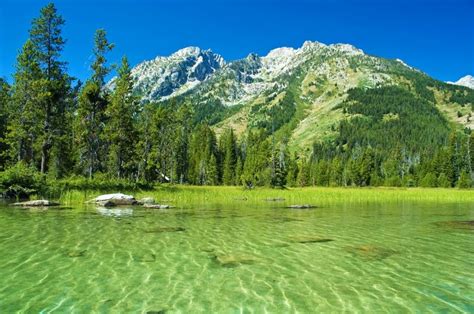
24,130
4,101
48,42
92,103
120,131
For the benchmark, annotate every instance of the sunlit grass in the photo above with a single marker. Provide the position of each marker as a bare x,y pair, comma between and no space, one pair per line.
183,195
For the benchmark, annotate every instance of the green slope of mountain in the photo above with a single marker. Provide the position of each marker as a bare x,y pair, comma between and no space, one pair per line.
334,93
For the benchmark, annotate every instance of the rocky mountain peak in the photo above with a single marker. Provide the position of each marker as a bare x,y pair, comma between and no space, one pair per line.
467,81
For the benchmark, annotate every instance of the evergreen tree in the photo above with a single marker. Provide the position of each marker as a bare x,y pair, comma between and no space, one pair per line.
203,162
212,176
444,181
337,172
256,170
4,101
229,151
92,103
429,180
464,180
99,66
48,43
24,130
280,168
292,170
303,172
238,170
120,131
184,116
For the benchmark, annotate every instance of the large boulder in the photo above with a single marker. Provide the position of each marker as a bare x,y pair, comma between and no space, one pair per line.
36,203
115,199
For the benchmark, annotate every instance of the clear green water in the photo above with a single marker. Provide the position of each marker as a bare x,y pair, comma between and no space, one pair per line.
232,259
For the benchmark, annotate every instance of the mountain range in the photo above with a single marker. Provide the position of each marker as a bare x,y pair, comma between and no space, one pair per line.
300,94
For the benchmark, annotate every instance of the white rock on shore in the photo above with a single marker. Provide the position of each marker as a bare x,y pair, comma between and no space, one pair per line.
115,199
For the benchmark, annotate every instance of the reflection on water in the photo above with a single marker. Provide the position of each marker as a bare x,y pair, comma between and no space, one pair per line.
214,258
115,212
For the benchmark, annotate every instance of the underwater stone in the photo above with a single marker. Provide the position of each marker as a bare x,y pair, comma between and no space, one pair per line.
230,261
304,206
457,224
165,229
311,240
76,253
147,258
370,252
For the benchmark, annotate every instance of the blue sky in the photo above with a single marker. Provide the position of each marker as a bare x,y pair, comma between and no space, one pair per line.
432,35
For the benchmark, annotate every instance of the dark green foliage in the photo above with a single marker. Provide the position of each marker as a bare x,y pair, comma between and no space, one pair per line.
230,153
54,83
465,181
429,180
90,117
203,152
389,115
257,163
279,167
99,137
120,131
21,180
4,101
25,130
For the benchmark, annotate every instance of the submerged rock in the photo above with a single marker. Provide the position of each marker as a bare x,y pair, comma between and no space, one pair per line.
230,261
115,199
311,240
36,203
156,312
146,258
370,252
165,229
76,253
457,224
157,206
286,219
304,206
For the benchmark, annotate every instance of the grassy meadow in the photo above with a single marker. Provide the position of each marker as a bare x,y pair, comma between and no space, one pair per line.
185,195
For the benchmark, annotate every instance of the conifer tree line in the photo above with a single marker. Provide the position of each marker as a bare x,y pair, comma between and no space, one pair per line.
59,127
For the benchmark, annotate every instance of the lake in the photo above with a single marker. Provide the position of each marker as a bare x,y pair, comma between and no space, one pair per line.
233,258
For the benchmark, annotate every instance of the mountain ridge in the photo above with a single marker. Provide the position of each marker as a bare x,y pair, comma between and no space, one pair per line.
298,93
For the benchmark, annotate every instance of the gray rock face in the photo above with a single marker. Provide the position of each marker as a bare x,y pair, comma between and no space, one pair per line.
170,76
36,203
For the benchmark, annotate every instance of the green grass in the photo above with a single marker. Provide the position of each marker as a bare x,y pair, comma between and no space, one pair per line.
186,195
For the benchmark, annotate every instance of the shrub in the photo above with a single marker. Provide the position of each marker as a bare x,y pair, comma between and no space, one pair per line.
21,180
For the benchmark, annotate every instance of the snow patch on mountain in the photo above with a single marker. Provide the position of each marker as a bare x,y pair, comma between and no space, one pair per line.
466,81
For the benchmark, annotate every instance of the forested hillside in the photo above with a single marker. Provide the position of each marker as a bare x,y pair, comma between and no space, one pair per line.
317,115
